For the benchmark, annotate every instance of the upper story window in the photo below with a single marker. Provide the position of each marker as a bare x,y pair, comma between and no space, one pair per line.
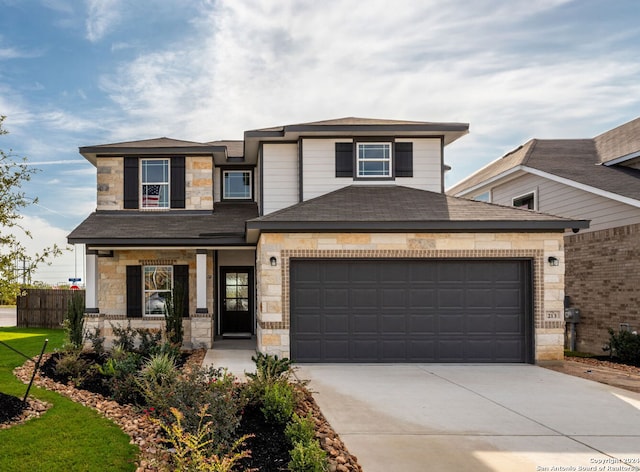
154,178
483,197
236,185
374,160
527,201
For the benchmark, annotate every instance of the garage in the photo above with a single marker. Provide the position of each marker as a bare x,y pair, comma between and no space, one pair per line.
411,310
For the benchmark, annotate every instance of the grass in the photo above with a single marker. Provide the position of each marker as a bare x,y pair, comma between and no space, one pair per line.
69,437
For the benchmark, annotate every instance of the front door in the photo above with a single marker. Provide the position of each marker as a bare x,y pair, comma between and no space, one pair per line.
237,301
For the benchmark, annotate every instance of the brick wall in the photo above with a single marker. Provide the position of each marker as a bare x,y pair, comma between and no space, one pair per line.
603,280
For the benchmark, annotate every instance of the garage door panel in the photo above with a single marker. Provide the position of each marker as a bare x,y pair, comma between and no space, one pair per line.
394,323
410,310
336,297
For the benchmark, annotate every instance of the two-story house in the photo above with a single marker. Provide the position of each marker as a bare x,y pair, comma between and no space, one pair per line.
330,241
593,178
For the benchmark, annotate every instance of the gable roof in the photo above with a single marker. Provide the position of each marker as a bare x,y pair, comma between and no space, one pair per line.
619,142
225,225
575,162
392,208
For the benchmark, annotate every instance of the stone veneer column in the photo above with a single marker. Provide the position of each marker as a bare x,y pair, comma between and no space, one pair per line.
201,281
91,284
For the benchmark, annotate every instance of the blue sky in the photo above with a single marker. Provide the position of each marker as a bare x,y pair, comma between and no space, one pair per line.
77,73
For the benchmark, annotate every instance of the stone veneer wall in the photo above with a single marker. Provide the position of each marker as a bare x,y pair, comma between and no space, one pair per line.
112,301
198,183
273,282
603,281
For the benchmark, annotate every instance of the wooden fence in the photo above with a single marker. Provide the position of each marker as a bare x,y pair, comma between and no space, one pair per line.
44,308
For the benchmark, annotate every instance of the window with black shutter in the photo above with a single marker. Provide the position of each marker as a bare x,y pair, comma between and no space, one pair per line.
404,159
344,159
153,186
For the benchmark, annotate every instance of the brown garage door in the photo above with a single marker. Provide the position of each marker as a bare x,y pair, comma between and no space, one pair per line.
411,310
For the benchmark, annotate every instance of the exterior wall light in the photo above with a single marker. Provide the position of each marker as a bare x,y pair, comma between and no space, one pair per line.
553,261
273,261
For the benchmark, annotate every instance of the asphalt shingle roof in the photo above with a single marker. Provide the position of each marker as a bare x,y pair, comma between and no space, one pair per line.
225,224
578,160
396,207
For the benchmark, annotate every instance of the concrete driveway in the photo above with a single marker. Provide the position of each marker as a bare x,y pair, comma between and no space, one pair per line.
477,418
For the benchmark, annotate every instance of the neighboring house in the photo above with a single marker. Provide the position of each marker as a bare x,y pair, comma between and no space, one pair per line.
330,241
594,179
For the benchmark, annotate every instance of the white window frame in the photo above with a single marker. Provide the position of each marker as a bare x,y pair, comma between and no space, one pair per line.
166,185
146,290
225,187
388,159
532,193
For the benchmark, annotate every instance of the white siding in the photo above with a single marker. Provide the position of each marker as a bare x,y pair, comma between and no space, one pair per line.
561,200
319,174
280,176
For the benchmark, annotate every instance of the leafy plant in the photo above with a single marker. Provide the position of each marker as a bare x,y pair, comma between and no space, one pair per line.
121,370
124,337
174,315
308,457
192,448
70,364
74,320
300,429
278,402
625,345
149,341
97,342
269,370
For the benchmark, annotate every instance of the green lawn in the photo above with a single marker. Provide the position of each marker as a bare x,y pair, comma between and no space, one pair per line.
69,437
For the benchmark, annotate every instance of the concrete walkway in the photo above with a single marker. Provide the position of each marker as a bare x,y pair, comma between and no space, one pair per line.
233,354
476,418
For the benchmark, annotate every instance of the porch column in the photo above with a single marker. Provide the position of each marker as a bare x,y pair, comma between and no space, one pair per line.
91,282
201,281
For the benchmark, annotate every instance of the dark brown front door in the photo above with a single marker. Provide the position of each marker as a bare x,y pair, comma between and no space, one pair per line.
237,301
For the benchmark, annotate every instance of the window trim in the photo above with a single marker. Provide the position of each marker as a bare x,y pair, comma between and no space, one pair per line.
141,184
145,291
357,160
223,197
532,193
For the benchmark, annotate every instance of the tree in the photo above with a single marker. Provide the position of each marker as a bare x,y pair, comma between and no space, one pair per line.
13,173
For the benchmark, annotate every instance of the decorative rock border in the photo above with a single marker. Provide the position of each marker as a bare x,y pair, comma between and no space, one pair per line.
34,409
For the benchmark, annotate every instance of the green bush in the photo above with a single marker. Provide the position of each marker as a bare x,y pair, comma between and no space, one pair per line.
196,389
278,402
149,341
124,337
174,315
300,429
97,342
121,371
269,370
624,345
74,320
308,457
70,364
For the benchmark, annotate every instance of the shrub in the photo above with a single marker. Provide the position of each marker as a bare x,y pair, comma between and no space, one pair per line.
160,369
308,457
278,402
149,341
189,393
269,370
121,369
70,364
300,429
74,321
625,345
174,315
191,448
97,342
124,337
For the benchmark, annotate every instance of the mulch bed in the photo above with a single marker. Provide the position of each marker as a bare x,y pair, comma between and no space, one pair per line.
269,447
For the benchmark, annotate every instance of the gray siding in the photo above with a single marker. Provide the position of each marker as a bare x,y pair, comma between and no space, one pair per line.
280,176
561,200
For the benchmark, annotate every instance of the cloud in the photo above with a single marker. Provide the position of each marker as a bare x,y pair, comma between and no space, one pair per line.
102,15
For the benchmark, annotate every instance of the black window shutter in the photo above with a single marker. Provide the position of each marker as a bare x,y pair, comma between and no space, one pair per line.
404,159
181,279
344,159
131,182
177,182
134,291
